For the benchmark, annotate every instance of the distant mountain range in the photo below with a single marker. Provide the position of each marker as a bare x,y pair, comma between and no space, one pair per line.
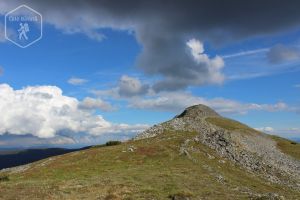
15,157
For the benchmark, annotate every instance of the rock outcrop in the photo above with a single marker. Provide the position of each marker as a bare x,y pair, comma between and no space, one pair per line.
254,151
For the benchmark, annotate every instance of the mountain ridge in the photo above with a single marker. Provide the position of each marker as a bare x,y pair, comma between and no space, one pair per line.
196,155
254,150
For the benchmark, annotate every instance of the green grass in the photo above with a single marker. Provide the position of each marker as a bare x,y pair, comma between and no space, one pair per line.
230,124
155,170
288,147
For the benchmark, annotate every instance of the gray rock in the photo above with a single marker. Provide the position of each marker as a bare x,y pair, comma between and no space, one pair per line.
255,152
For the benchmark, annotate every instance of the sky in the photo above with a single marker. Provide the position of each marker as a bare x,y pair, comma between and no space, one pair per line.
93,71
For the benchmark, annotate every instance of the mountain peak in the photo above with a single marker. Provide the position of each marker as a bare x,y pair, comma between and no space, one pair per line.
198,111
230,139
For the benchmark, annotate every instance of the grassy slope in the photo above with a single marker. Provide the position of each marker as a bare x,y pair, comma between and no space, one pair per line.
229,124
154,170
286,146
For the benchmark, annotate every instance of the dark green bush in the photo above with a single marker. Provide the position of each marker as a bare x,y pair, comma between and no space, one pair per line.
294,143
112,143
109,143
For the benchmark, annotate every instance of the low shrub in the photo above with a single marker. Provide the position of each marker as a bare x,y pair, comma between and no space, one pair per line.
294,143
112,143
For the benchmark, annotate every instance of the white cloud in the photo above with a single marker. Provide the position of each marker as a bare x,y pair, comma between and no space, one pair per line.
28,141
119,128
177,101
246,53
266,129
91,104
292,133
61,140
190,66
214,65
44,112
77,81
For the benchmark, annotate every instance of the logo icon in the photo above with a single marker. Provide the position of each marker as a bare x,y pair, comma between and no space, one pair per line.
23,26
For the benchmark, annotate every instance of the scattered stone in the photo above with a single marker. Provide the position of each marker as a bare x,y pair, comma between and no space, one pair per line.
254,151
210,157
131,149
222,161
270,196
220,179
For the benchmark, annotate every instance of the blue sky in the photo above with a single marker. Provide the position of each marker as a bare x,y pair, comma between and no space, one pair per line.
259,83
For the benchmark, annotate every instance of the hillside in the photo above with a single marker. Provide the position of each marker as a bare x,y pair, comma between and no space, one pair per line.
196,155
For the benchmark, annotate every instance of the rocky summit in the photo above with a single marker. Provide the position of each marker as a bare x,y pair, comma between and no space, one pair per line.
196,155
255,151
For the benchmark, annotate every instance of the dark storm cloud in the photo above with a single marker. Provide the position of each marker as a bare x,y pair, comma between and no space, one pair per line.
163,28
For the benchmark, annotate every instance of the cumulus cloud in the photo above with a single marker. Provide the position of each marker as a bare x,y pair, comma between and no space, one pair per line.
127,87
281,53
44,112
189,65
92,104
130,86
266,129
119,128
77,81
292,133
163,27
177,101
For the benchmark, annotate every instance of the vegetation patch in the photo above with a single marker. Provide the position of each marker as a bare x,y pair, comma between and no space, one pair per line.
230,124
287,146
154,170
109,143
147,151
112,143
